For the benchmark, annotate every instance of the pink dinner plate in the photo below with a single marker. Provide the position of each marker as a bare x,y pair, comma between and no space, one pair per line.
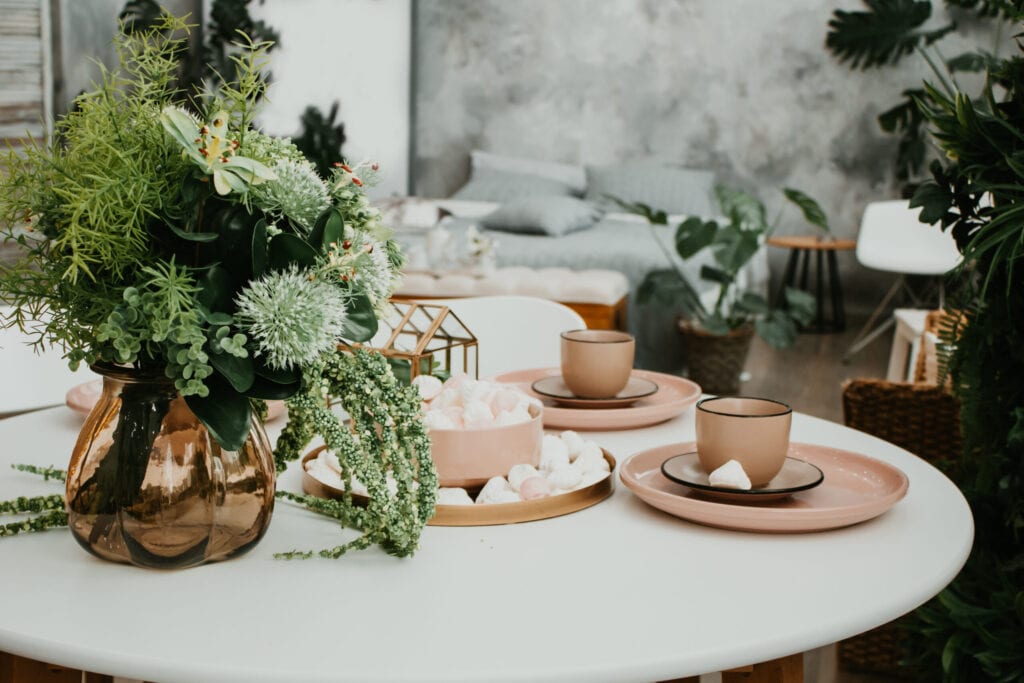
673,397
856,488
82,397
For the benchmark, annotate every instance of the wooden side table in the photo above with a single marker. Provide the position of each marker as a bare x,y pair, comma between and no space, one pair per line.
801,248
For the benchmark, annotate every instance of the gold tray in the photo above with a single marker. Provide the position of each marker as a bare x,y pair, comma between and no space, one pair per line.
486,515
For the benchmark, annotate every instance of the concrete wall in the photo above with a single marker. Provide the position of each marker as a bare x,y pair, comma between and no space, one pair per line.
743,87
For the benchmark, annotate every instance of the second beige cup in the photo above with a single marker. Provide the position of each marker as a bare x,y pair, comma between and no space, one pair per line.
597,363
752,431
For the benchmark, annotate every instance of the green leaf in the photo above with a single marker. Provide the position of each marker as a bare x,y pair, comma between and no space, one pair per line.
361,321
778,330
225,412
217,319
933,200
278,375
734,253
238,371
715,275
715,324
882,35
755,304
800,305
216,289
286,250
745,211
693,234
329,227
259,248
263,388
971,62
813,213
193,236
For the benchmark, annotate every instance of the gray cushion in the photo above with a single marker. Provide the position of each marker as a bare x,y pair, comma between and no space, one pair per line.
552,216
572,175
501,187
673,190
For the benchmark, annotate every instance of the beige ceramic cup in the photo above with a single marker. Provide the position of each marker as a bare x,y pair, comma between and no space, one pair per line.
752,431
597,363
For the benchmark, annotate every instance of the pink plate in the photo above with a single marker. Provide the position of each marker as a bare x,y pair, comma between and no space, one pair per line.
82,397
856,488
673,397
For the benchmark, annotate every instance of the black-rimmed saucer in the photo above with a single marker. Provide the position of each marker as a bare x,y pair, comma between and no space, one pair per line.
796,475
553,387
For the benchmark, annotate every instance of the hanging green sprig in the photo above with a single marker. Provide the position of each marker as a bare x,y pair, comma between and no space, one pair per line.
386,436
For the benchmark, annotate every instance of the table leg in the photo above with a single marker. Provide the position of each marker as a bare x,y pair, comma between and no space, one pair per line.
784,670
820,293
836,289
805,268
789,279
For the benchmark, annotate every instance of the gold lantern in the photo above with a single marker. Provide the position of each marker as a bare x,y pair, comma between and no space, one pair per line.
423,334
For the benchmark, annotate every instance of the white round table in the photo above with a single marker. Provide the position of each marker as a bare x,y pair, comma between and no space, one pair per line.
33,380
617,592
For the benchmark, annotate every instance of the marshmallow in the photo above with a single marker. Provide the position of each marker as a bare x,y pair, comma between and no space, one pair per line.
477,415
506,400
453,496
553,453
591,477
535,487
499,497
512,417
565,477
573,442
730,476
520,473
428,386
320,471
493,486
591,459
330,460
436,419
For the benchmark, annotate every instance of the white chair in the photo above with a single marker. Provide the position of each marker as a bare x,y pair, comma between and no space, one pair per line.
514,332
892,239
32,381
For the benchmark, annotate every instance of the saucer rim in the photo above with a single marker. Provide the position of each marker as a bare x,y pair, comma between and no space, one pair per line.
744,492
596,401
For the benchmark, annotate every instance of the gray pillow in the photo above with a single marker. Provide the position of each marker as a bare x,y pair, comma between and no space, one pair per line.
501,187
552,216
673,190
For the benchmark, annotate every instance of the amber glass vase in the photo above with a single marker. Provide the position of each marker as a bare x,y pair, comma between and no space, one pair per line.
149,485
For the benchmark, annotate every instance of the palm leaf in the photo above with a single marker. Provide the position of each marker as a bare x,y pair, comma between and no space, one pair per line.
883,34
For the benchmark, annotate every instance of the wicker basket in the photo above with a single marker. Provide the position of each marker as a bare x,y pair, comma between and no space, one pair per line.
925,420
715,361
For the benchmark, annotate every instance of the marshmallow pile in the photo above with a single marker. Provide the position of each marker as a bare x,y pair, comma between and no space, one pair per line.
567,463
466,403
326,469
731,475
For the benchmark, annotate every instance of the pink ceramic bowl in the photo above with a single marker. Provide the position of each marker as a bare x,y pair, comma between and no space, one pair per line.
469,457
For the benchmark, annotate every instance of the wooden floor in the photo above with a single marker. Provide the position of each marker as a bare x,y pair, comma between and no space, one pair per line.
809,375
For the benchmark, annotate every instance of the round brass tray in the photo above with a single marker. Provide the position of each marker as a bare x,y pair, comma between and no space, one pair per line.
486,515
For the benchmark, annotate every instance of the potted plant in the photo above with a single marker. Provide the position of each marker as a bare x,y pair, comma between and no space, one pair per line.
202,267
717,332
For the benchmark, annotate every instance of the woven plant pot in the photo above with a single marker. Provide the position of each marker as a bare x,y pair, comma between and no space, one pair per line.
713,361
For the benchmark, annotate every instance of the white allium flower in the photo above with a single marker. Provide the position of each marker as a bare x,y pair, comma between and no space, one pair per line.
375,277
292,318
298,193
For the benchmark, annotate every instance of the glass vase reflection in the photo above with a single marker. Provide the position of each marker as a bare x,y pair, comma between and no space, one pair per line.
149,485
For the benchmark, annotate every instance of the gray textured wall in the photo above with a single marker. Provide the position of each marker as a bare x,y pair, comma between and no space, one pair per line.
744,87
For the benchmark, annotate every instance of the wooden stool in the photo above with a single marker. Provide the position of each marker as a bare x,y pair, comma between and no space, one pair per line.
805,245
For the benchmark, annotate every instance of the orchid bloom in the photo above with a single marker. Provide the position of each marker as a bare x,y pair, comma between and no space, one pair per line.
211,148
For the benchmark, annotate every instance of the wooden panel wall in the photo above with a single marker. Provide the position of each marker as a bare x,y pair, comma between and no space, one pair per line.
25,80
